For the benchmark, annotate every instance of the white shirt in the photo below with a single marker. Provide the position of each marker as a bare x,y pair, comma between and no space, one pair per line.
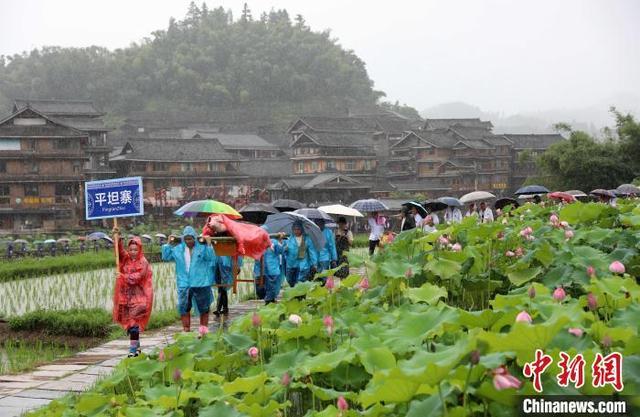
487,216
376,229
187,258
453,215
418,218
435,218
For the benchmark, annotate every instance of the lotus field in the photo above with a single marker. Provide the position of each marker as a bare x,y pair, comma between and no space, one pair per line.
446,323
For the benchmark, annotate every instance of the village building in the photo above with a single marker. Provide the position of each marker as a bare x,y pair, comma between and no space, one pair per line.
524,151
43,163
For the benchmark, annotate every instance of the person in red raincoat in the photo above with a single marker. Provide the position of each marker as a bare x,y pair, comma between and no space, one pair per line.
133,297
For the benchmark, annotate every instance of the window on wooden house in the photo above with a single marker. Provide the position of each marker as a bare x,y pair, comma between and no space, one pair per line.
31,190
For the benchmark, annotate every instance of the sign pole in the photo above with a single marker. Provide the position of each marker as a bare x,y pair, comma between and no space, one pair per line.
116,244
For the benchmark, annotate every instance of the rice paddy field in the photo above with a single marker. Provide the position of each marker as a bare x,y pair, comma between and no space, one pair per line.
94,289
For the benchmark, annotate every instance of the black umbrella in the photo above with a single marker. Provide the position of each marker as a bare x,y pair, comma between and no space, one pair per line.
503,202
257,212
423,212
434,205
532,189
287,205
603,192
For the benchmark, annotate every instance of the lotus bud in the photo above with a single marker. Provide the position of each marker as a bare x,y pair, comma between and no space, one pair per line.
529,230
408,273
202,330
295,319
456,247
328,323
475,357
161,356
617,267
564,224
523,317
554,219
591,271
364,284
177,375
509,254
532,292
606,341
592,302
342,404
577,332
443,240
559,294
253,352
286,379
519,252
568,234
256,320
330,284
502,379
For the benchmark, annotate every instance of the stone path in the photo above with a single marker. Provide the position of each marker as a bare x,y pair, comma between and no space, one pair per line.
29,391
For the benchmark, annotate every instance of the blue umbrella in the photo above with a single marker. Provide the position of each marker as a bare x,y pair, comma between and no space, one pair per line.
532,189
283,222
369,205
450,201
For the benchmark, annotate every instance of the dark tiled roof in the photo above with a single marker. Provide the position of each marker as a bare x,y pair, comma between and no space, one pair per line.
237,141
431,124
439,138
339,124
534,141
321,179
421,184
471,132
51,128
53,107
178,150
266,168
475,144
83,123
498,140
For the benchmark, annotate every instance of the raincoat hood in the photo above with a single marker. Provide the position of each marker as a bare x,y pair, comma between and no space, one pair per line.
137,241
189,231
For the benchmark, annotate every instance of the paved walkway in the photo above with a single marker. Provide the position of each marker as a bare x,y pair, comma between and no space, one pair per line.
29,391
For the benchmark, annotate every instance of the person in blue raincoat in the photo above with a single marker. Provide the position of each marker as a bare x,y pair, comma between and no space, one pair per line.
223,273
269,266
328,256
301,256
195,263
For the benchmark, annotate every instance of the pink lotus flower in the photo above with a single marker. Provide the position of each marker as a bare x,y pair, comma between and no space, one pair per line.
202,330
328,323
364,284
617,267
443,240
286,379
519,252
342,404
576,331
559,294
591,271
592,301
568,234
330,284
502,379
564,224
532,292
161,356
509,254
253,352
177,375
295,319
456,247
256,320
523,317
554,219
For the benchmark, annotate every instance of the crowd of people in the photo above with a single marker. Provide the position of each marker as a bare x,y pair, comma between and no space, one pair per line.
198,269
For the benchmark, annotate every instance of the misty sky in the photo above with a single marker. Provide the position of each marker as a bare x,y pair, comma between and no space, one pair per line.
507,56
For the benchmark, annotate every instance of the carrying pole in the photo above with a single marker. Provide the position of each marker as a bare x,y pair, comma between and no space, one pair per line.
116,244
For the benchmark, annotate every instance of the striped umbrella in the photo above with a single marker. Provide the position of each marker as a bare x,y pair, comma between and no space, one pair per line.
369,205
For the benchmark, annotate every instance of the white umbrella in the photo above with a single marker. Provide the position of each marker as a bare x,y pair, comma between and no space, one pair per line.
340,210
476,196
